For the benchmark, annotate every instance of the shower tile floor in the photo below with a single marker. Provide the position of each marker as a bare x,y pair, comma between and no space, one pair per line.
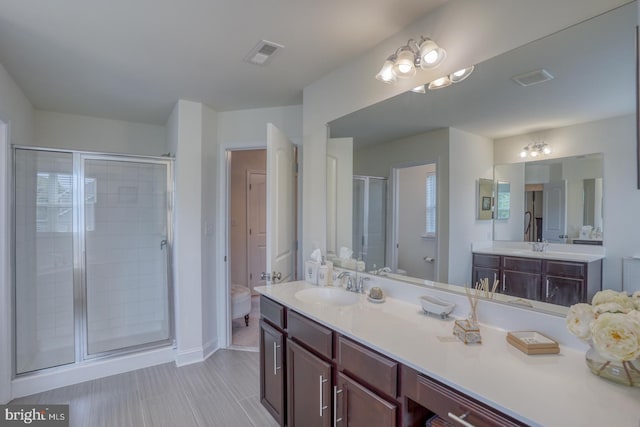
221,391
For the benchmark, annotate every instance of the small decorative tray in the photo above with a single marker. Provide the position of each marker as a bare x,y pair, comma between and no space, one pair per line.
532,342
436,306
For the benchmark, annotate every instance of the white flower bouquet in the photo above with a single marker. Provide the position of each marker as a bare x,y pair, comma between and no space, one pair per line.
611,325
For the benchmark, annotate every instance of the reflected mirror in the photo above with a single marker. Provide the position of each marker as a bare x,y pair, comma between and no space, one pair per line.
485,199
463,127
579,178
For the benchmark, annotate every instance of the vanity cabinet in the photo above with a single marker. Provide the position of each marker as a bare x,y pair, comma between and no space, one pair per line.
521,277
426,397
486,267
549,280
272,371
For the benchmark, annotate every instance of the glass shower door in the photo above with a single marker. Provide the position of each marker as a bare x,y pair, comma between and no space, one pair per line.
125,237
44,262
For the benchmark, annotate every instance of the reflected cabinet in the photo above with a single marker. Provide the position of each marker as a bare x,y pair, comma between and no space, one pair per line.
552,281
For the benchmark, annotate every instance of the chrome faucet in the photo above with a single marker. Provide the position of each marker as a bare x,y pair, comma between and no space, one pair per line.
379,271
349,286
540,246
360,286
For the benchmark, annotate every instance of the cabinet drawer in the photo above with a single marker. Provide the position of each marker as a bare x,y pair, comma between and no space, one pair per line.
373,369
272,311
449,404
491,261
310,333
524,265
566,269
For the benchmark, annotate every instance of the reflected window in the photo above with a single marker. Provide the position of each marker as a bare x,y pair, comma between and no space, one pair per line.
54,202
431,206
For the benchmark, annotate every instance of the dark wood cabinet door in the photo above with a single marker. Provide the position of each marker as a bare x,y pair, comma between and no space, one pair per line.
564,290
479,273
272,371
523,285
357,406
309,391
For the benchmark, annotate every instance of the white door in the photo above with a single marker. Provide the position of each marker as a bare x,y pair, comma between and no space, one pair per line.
256,226
554,212
281,219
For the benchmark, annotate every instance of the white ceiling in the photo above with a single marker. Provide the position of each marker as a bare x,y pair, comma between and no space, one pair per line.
594,68
133,59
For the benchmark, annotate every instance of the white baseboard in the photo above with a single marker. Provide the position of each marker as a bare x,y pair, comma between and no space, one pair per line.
187,357
89,370
210,348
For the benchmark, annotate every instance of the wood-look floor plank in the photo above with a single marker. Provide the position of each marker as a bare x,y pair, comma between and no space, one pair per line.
222,391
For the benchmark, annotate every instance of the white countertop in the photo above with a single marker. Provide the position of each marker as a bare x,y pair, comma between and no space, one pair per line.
555,251
541,390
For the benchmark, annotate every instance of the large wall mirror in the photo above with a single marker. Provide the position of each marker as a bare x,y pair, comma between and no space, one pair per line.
592,89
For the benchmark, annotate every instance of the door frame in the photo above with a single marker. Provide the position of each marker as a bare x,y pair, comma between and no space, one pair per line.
6,269
223,247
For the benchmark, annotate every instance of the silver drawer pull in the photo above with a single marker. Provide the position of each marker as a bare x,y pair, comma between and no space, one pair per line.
275,358
322,407
336,420
460,419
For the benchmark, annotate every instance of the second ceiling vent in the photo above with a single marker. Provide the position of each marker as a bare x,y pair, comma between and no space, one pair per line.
263,52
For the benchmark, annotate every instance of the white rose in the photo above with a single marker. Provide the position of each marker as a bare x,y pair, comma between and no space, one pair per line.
636,299
609,307
609,295
579,319
616,337
634,314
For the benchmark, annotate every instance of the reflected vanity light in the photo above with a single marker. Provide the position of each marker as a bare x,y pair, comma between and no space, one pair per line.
535,149
455,77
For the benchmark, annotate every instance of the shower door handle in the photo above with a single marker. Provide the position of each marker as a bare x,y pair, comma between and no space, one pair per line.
163,244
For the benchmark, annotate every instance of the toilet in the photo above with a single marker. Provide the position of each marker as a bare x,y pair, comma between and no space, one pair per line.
240,302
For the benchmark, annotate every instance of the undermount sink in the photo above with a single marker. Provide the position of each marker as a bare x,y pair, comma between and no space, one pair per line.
327,296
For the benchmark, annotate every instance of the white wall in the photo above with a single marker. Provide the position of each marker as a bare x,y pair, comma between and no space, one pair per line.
616,139
339,194
470,30
211,233
16,127
471,158
84,133
186,123
513,227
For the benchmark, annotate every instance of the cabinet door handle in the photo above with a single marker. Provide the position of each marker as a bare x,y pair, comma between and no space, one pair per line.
504,283
322,407
460,419
275,358
547,290
336,420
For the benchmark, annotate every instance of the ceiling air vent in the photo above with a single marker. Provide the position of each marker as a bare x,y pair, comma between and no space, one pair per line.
263,52
532,77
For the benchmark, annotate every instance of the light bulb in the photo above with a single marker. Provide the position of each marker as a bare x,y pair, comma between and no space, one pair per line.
404,66
385,74
439,83
534,153
431,55
546,150
523,153
460,75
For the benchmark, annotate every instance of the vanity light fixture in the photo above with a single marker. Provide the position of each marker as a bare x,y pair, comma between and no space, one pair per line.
455,77
535,149
403,64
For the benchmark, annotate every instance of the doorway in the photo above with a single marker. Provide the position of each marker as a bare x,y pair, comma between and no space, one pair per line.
247,241
414,243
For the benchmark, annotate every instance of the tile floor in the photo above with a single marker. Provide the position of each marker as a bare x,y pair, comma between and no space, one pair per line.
221,391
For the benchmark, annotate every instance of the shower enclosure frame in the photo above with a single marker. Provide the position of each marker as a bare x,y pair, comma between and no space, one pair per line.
80,315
